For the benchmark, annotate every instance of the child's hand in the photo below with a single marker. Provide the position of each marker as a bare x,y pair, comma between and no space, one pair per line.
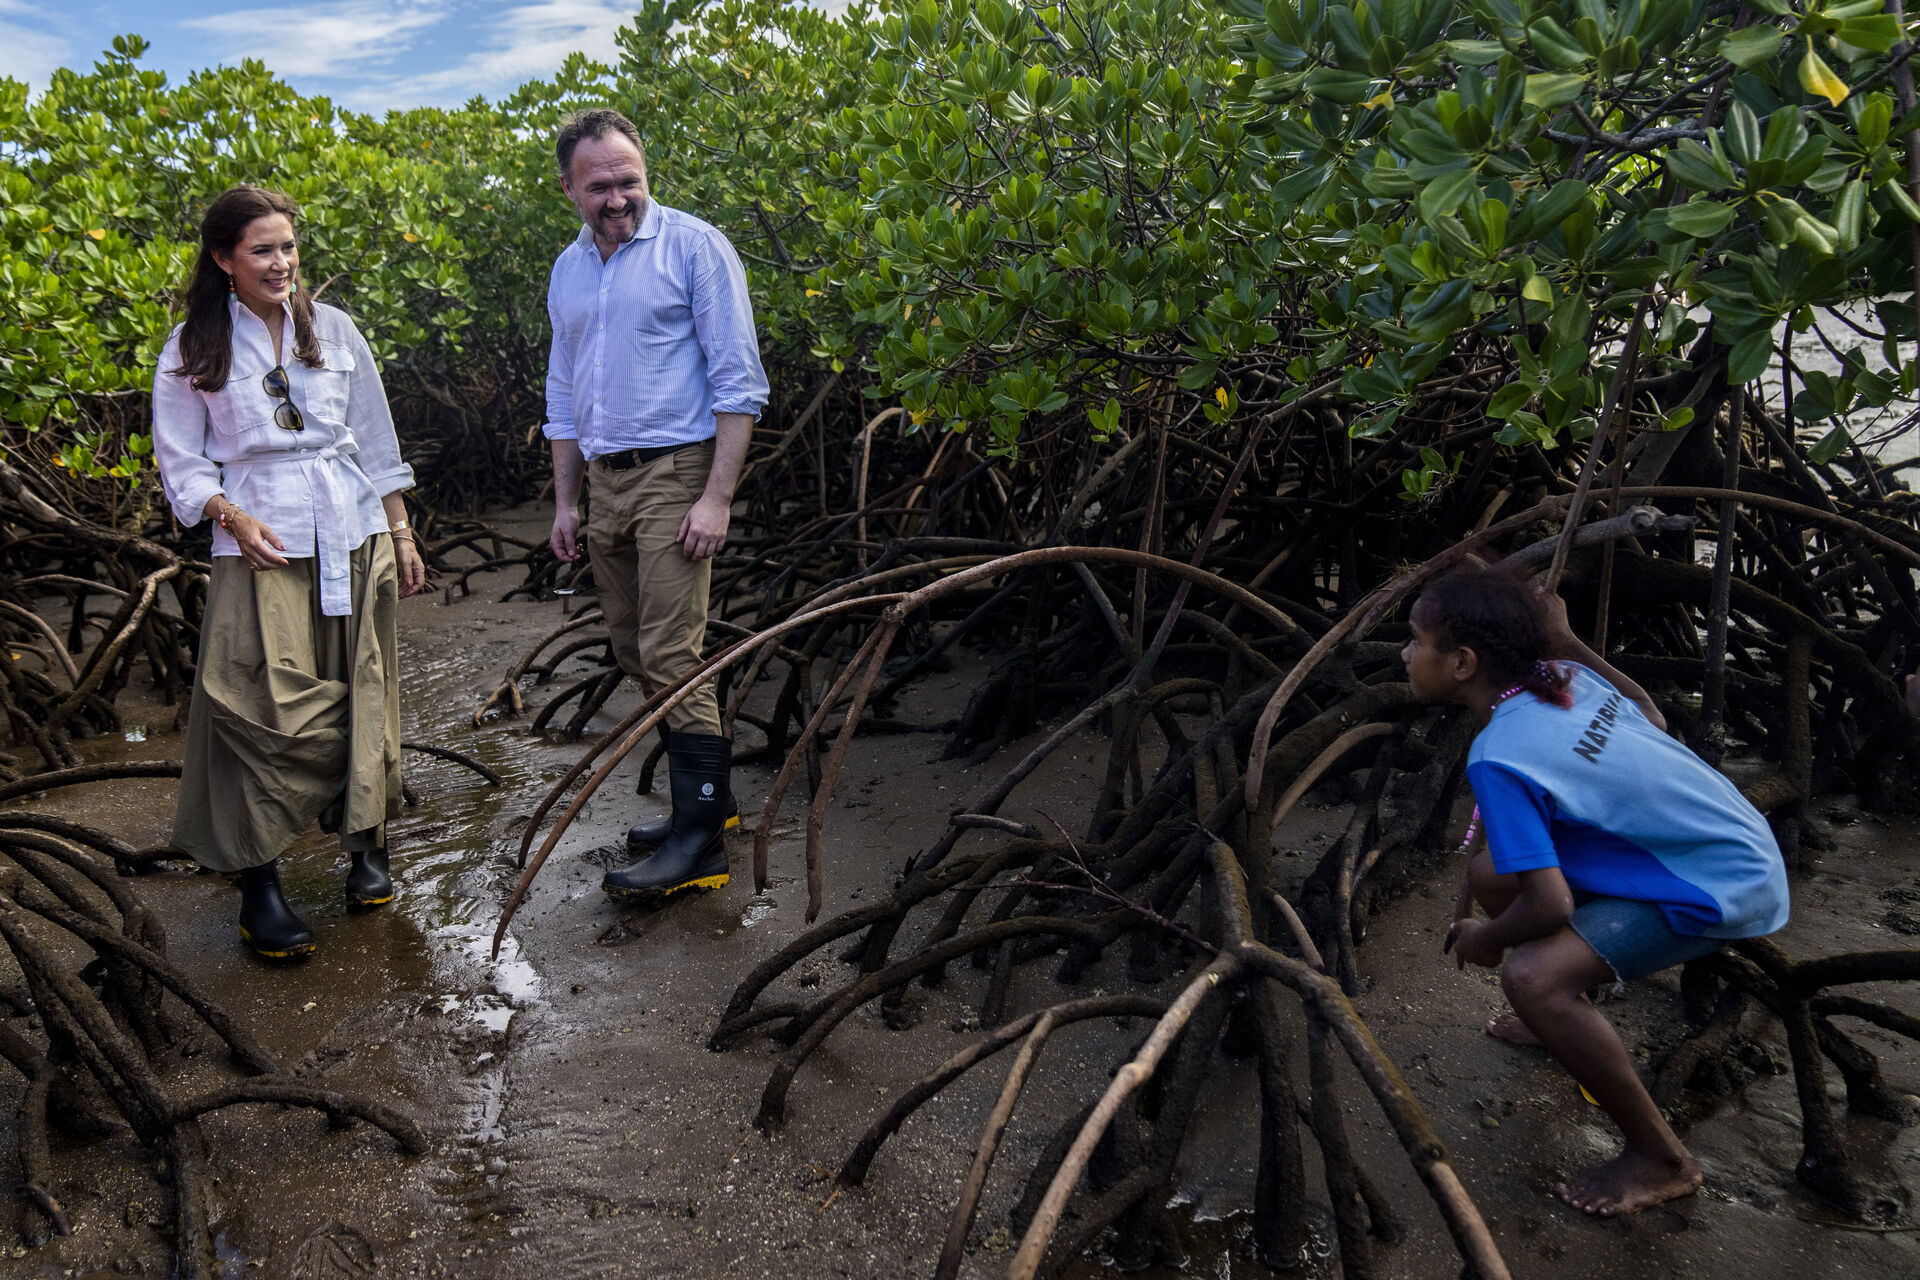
1468,941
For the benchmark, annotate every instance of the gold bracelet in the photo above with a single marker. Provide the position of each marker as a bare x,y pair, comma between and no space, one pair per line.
397,526
225,518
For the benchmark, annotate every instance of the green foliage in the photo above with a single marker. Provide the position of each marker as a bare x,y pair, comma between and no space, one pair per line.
1525,174
1045,225
105,176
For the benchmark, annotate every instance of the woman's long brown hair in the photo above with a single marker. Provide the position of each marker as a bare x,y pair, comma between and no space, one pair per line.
206,339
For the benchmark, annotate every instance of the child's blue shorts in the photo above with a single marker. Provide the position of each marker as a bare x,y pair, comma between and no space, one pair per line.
1634,938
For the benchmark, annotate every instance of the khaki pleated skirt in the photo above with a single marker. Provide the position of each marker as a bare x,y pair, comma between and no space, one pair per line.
295,715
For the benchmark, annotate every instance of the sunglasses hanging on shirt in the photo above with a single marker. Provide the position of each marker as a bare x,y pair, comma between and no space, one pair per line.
286,415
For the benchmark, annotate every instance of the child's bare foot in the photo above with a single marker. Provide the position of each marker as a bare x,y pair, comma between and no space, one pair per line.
1629,1183
1506,1025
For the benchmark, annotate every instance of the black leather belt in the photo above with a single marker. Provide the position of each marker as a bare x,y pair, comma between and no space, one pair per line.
628,459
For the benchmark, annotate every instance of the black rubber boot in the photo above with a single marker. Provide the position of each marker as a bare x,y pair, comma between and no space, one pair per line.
267,923
650,833
368,883
694,854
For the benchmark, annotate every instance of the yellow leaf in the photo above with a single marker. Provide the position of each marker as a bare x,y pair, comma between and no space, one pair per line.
1384,98
1589,1097
98,233
1817,77
920,416
1220,394
906,312
46,228
409,237
813,293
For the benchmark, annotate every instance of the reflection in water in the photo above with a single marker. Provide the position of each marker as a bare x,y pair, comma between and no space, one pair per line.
449,850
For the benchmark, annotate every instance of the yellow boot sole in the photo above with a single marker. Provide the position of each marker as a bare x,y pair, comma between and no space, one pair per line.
704,883
291,953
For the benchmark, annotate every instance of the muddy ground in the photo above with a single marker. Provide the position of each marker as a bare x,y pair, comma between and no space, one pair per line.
581,1128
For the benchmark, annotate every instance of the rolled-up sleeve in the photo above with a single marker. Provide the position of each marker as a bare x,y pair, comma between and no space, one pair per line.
187,476
370,419
723,319
559,424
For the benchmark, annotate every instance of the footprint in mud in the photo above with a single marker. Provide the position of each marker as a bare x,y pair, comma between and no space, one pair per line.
1663,1220
335,1251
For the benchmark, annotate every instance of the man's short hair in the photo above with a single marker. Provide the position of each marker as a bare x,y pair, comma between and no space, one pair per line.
596,123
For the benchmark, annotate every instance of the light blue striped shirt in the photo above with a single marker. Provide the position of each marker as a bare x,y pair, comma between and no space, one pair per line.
651,343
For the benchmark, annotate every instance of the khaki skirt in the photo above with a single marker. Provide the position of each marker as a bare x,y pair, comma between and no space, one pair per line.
295,715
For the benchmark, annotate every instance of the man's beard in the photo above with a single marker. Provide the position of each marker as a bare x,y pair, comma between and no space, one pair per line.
620,227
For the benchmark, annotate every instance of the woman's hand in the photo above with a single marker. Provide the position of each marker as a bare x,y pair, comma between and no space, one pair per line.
412,569
259,546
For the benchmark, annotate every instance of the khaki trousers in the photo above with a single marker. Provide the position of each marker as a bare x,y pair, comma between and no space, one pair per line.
295,715
654,597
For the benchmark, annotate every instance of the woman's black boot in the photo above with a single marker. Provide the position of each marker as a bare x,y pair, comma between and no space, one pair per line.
267,923
694,854
368,883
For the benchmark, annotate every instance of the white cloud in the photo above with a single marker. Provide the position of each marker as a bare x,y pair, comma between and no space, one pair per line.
335,40
29,53
522,42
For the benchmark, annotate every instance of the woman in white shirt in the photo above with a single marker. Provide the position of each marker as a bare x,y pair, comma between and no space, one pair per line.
269,418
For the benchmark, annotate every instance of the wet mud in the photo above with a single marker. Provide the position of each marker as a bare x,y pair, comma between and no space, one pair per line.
581,1128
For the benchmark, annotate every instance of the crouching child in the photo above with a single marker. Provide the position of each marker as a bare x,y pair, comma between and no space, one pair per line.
1611,851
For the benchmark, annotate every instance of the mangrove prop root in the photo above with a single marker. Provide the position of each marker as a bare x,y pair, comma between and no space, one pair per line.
854,1171
460,758
79,774
50,888
340,1108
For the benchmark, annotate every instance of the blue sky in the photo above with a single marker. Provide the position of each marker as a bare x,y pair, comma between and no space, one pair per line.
369,55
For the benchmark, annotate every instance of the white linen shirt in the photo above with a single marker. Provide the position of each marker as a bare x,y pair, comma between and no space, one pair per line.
318,489
651,343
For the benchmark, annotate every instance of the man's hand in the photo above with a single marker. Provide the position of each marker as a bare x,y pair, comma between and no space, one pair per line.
1468,941
565,538
704,529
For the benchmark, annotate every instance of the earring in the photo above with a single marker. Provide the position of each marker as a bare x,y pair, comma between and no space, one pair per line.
230,288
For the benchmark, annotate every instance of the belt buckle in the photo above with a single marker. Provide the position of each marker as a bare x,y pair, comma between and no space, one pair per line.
624,460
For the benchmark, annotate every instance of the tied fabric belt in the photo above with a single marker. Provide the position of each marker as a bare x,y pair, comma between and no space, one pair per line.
628,459
332,509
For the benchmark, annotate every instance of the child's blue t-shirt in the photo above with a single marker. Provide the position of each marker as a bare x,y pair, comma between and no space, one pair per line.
1625,812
